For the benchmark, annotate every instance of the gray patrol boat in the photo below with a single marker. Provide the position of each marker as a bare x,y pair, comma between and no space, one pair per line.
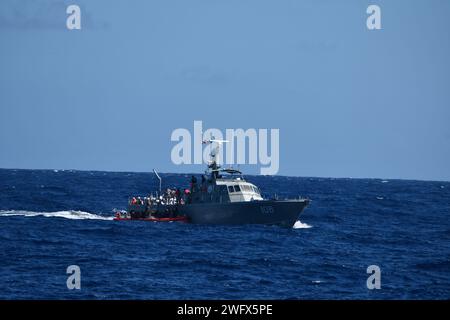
222,196
225,197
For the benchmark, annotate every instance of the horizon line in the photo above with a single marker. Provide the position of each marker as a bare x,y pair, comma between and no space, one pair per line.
255,175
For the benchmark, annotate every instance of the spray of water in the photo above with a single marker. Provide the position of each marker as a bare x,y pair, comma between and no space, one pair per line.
70,214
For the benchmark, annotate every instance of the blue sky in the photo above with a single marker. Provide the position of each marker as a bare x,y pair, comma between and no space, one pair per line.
349,102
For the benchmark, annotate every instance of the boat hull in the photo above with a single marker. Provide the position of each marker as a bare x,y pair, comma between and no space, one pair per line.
270,212
153,219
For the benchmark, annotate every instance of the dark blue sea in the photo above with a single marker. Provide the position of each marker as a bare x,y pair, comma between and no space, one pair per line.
51,219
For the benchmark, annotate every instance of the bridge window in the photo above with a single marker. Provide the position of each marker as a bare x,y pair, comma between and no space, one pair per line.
230,189
237,188
256,190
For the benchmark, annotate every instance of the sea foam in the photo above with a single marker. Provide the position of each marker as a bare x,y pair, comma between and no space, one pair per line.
300,225
70,214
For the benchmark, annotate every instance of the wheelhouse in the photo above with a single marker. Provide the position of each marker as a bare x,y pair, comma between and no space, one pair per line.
240,190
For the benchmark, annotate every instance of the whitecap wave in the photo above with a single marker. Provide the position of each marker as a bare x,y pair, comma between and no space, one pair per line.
300,225
70,214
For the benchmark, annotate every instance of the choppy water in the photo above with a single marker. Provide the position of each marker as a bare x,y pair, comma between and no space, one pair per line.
52,219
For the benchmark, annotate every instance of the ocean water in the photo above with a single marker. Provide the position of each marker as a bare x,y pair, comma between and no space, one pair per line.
51,219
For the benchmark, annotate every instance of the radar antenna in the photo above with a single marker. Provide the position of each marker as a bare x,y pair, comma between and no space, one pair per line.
213,162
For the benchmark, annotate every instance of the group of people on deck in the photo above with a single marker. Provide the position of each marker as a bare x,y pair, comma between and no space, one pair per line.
139,201
195,187
168,197
172,196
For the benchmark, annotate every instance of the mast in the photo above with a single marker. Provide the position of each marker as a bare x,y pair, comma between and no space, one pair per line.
213,165
160,180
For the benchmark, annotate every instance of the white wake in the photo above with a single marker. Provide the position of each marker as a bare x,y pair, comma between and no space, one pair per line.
71,214
300,225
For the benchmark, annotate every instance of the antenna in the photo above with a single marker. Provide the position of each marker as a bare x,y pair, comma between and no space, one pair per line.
160,180
214,151
213,155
